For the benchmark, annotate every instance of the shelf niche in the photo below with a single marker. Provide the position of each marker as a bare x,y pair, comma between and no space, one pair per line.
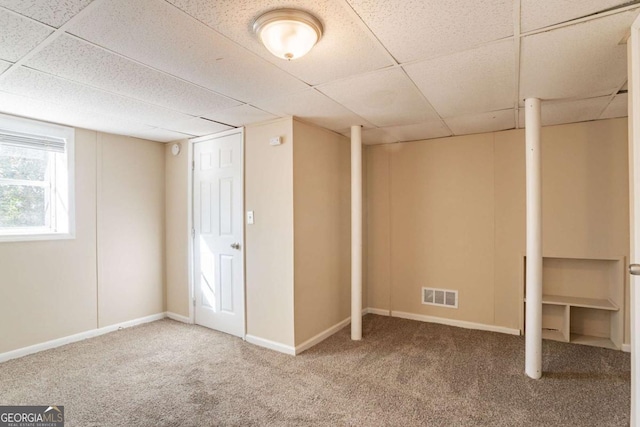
582,300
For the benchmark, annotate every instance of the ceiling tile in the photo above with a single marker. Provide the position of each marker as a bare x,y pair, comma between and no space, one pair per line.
18,35
314,107
470,82
28,107
481,123
345,48
240,116
163,37
582,60
197,126
543,13
419,29
160,135
556,113
384,98
417,132
50,12
45,87
617,107
83,62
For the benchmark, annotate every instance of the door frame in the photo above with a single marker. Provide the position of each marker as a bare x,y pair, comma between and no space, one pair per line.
191,228
633,76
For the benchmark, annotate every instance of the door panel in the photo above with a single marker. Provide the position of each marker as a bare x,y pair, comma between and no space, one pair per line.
218,233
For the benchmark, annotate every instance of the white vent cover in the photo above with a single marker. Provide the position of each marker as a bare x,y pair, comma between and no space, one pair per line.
440,297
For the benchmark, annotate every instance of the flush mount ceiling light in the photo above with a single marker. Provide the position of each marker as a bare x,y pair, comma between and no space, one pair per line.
288,33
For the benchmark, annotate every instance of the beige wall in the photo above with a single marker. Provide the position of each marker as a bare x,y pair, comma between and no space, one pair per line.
269,242
456,215
130,228
322,229
378,161
49,289
510,211
177,229
442,225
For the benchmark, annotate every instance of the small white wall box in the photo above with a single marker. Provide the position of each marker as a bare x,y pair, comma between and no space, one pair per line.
275,140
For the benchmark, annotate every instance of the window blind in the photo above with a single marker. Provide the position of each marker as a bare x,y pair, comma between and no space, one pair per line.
36,142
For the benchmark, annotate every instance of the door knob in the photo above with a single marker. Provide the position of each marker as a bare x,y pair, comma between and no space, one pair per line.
235,246
634,269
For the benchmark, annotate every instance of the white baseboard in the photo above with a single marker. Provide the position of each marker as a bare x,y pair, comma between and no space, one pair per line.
77,337
626,348
322,336
178,317
458,323
378,311
272,345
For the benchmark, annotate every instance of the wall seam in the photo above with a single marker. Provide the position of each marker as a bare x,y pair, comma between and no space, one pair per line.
97,217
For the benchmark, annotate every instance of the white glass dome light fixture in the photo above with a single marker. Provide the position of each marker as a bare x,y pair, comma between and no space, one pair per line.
288,33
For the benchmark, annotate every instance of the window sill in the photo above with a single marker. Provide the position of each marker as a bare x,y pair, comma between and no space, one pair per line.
6,238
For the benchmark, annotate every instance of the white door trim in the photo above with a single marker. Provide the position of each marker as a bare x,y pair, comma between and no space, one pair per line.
192,284
633,57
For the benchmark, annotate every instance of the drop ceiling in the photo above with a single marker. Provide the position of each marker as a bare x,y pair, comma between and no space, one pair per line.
403,69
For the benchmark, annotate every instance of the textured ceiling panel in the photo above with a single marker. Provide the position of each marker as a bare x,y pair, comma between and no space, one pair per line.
557,113
160,135
576,61
18,35
420,29
384,98
483,122
159,35
313,107
345,42
196,126
617,107
80,61
420,131
28,107
50,12
45,87
543,13
470,82
240,116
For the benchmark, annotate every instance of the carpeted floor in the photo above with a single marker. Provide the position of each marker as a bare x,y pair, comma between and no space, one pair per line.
404,373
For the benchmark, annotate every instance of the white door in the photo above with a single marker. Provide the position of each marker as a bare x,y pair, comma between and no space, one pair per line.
633,46
218,232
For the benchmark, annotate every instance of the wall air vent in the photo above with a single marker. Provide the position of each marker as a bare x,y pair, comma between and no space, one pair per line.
440,297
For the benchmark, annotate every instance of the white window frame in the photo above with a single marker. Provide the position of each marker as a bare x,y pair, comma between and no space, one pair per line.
63,161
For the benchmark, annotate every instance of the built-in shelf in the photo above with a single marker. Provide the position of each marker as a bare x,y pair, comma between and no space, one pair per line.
582,301
600,304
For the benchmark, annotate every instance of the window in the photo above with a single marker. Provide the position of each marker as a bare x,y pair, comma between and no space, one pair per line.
36,180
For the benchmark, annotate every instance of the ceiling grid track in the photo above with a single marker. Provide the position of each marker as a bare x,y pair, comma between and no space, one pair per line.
517,48
594,16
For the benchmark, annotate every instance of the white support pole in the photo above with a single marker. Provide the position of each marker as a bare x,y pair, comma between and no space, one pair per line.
356,233
533,335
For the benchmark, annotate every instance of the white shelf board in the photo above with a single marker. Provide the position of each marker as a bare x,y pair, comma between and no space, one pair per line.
593,341
601,304
552,334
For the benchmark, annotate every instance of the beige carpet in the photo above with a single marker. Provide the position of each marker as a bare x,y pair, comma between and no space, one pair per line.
404,373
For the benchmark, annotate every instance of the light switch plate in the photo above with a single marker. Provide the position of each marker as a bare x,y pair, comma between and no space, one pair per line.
249,217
